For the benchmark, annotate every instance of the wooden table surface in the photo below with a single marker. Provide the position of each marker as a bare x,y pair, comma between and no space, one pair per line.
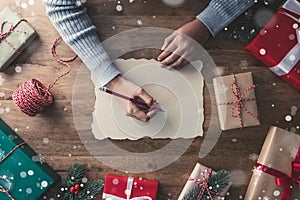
53,134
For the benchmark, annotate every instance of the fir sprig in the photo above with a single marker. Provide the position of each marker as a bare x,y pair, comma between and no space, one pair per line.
216,184
86,190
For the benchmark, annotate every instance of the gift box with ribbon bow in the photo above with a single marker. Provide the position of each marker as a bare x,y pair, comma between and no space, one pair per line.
236,101
200,176
276,174
278,44
128,188
23,173
15,35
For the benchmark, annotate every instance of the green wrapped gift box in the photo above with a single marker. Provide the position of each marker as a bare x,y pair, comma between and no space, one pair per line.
15,36
23,173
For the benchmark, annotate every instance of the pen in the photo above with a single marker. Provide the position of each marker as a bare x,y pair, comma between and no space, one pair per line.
135,101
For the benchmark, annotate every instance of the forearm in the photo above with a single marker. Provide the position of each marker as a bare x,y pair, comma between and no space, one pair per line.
77,30
219,13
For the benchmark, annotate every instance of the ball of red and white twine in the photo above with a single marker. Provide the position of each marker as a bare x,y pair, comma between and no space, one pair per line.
32,96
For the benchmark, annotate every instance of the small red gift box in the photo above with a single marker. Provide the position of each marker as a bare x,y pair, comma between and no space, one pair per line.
278,44
128,188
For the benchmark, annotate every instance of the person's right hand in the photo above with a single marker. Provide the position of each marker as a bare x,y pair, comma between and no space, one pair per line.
181,46
127,88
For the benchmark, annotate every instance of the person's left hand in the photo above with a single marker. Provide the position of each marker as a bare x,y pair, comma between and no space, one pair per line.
180,45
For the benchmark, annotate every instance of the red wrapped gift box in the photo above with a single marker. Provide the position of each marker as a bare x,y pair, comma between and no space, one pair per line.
128,188
278,44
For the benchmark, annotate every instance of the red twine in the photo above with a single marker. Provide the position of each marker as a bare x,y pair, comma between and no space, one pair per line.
238,103
203,182
6,191
32,96
2,189
284,179
3,35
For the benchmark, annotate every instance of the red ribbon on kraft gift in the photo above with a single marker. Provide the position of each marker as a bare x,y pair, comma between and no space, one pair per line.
6,190
283,179
4,34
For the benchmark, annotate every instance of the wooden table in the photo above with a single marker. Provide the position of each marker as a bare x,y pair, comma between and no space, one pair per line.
53,134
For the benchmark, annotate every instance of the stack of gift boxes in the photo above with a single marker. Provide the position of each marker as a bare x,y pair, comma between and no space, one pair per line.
276,172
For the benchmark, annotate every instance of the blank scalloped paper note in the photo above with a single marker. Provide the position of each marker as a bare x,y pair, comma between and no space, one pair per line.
179,93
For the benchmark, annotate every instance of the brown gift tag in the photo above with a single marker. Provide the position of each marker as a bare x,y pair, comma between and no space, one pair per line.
278,152
225,96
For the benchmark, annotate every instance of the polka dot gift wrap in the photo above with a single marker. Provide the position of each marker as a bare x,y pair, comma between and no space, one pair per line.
22,176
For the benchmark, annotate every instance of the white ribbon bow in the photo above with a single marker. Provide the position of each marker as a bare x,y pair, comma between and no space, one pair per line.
293,56
127,192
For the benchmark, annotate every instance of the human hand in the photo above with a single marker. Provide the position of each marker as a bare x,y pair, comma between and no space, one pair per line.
129,89
179,47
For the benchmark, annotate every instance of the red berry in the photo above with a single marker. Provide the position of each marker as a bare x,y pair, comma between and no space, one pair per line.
76,192
72,189
76,186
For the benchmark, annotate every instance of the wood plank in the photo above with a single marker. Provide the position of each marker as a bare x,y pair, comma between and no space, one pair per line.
53,133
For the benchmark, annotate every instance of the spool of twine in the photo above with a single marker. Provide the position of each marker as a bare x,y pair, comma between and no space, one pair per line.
32,96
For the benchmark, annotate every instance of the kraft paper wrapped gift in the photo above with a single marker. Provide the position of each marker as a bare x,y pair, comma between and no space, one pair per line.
15,36
195,175
278,162
234,113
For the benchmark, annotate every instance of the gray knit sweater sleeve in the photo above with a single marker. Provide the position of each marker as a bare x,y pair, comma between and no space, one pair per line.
219,13
73,24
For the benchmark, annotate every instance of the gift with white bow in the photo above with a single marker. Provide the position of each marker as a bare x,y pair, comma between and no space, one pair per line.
278,43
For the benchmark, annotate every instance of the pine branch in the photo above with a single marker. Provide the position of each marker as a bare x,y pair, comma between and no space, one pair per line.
91,189
73,188
216,183
74,174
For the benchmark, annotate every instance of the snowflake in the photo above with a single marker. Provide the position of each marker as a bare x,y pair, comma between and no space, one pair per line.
7,109
38,158
266,198
80,2
139,22
253,156
22,38
1,80
257,171
222,89
2,154
293,153
244,64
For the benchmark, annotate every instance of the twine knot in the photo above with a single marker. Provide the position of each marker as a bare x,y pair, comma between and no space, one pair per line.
238,103
3,35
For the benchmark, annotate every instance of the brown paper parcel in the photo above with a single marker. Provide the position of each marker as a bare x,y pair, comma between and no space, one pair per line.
278,152
224,94
196,174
